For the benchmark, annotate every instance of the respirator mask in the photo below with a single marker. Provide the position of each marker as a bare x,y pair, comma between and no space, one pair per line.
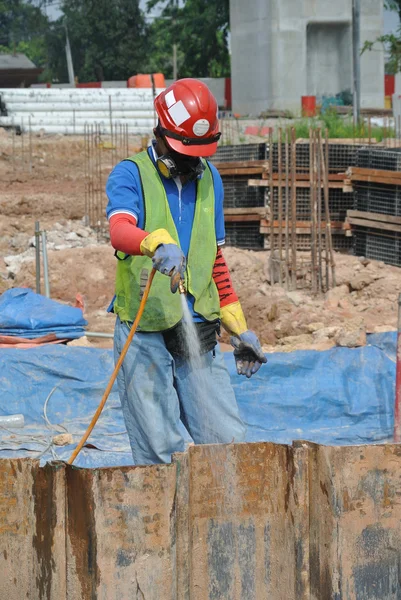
174,164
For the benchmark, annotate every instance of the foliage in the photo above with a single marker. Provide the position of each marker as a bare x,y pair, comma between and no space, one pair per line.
108,39
391,41
339,127
200,30
22,29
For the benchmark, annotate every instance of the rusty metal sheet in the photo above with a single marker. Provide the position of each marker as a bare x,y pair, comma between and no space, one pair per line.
243,518
355,522
121,533
32,550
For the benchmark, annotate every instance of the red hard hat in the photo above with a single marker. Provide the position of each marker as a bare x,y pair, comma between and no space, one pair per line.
187,112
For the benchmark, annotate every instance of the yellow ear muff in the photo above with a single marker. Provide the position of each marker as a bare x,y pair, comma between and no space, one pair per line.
166,166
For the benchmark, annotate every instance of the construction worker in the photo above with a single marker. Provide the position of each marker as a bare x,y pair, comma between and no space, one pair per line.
165,210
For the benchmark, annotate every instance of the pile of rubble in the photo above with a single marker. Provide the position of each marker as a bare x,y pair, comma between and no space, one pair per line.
64,235
364,301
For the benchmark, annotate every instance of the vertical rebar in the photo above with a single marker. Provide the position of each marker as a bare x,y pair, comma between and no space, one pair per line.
13,141
319,209
329,241
37,255
312,207
126,141
280,208
86,175
45,265
22,144
73,121
30,145
287,249
100,191
293,207
271,206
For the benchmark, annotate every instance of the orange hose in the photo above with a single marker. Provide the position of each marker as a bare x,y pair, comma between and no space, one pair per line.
116,369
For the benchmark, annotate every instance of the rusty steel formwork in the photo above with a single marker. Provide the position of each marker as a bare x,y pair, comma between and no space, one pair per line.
238,522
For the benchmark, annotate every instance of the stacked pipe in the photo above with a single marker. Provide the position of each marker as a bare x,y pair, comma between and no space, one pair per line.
68,110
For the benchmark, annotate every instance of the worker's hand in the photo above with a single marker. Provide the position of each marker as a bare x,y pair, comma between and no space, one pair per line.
248,353
170,260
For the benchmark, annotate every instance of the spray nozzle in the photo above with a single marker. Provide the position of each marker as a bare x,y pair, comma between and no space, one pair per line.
181,287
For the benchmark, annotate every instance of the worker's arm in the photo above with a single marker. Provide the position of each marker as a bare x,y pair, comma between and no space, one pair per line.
125,236
248,353
166,256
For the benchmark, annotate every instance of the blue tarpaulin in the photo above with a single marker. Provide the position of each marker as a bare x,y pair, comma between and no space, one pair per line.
338,397
24,313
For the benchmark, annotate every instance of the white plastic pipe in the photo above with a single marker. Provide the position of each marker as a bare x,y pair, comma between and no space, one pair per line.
82,115
12,421
69,121
121,106
79,129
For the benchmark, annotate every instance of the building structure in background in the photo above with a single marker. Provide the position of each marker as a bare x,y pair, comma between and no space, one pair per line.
282,50
16,70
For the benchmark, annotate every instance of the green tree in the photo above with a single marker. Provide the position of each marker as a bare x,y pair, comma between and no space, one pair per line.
391,41
108,40
200,30
22,29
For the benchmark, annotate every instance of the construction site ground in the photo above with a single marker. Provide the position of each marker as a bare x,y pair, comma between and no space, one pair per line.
50,187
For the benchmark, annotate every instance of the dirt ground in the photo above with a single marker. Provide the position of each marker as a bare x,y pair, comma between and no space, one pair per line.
50,188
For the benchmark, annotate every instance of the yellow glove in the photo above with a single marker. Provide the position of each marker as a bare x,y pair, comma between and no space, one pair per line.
233,319
152,241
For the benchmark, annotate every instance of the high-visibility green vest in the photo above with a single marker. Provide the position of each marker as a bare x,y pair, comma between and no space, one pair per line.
163,309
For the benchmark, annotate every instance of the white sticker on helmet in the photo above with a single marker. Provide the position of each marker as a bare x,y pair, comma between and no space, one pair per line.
179,113
201,127
170,98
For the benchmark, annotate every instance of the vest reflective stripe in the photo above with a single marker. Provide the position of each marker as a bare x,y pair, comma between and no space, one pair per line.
163,309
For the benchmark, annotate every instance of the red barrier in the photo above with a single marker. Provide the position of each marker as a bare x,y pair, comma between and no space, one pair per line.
90,84
389,85
308,106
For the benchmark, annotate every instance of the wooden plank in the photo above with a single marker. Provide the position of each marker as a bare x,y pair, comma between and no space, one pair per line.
241,218
374,176
242,164
375,224
255,210
382,180
376,172
240,171
359,214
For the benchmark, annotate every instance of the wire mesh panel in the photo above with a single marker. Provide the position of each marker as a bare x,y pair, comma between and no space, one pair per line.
244,235
341,156
379,158
237,193
240,152
339,203
378,245
341,243
378,198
